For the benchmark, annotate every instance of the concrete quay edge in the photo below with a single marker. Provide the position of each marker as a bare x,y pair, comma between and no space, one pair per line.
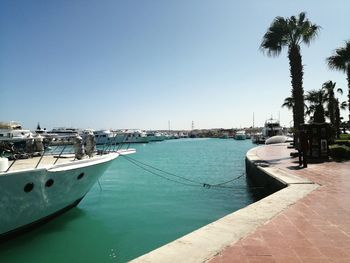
204,243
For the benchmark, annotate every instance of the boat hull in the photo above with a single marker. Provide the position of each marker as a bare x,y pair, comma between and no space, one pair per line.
23,229
155,138
240,137
30,197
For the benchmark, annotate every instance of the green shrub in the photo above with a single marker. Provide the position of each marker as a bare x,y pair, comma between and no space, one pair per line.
344,136
339,151
343,142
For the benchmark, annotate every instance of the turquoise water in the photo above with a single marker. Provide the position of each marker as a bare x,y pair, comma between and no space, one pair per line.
135,212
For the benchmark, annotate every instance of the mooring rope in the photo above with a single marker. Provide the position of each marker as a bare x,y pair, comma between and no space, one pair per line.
143,166
157,174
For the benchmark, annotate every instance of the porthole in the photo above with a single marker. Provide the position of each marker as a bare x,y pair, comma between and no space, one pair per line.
49,183
80,176
28,187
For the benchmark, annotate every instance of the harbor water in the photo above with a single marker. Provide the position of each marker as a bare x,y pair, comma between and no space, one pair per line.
132,211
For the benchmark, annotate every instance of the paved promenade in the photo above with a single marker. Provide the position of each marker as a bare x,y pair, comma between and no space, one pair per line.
314,229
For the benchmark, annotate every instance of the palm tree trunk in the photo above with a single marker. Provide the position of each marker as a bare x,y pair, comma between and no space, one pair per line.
331,108
296,73
337,118
348,76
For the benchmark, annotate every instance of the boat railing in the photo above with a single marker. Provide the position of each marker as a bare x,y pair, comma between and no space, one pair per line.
15,153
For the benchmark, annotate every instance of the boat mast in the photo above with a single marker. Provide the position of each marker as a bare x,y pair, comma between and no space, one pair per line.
253,119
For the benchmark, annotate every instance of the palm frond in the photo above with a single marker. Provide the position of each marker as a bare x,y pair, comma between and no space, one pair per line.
328,88
337,62
275,38
288,103
288,32
341,59
310,32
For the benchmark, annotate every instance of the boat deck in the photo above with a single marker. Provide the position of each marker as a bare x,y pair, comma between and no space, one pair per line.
49,160
30,163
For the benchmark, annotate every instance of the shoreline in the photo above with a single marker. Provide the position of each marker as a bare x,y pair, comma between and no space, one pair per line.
209,241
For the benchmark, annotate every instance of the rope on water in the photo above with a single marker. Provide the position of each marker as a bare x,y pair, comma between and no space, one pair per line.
157,174
149,168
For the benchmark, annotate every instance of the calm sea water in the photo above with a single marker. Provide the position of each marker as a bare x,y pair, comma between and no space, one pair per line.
135,212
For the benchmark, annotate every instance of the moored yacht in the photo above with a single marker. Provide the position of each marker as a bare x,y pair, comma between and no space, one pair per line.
65,132
105,137
240,135
63,135
155,136
271,128
37,189
13,132
132,136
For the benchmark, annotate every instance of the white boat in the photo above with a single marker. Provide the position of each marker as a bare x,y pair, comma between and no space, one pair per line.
155,136
271,128
257,138
63,135
183,135
240,135
65,132
131,136
33,191
13,132
13,137
105,137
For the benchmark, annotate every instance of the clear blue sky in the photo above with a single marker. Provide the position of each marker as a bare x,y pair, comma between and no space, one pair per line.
137,64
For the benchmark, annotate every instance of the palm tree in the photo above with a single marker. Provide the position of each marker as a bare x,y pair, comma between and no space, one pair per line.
291,33
328,87
338,106
288,103
341,61
316,98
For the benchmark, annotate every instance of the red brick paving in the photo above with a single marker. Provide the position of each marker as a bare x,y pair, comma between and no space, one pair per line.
314,229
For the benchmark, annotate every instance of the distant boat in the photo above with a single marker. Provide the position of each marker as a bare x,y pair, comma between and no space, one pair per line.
62,135
271,128
132,136
183,135
104,137
13,137
38,189
13,132
155,136
257,138
240,135
65,132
